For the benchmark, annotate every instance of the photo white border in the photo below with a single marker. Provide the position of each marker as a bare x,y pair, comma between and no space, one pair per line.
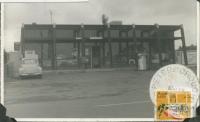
83,119
41,1
198,39
77,119
2,54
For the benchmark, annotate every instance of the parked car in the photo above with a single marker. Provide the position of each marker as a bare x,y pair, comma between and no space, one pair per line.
30,67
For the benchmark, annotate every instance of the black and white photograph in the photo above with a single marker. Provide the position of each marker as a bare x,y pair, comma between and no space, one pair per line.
92,59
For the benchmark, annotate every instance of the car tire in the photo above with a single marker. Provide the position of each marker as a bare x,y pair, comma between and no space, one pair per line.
40,76
21,77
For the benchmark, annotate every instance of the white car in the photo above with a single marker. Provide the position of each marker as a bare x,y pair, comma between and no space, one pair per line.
30,67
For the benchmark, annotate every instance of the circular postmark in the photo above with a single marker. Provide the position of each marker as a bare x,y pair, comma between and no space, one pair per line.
175,77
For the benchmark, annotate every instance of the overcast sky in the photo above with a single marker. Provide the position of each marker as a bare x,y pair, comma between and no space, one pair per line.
166,12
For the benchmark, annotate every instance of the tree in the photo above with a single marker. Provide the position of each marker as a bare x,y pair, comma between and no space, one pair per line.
104,19
190,47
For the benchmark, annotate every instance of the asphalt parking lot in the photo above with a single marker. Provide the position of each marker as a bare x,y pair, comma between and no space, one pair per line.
99,94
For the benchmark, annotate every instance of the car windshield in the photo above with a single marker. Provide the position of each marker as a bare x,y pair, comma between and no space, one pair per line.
29,61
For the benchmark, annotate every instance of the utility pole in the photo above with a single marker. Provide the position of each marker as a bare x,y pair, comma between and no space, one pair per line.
51,14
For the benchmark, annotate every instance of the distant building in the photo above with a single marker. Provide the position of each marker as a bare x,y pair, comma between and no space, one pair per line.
98,46
191,55
116,23
17,46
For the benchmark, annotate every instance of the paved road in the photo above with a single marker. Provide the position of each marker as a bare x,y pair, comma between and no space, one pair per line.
108,94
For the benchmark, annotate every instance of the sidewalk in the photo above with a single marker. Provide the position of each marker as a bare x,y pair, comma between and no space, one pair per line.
89,70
